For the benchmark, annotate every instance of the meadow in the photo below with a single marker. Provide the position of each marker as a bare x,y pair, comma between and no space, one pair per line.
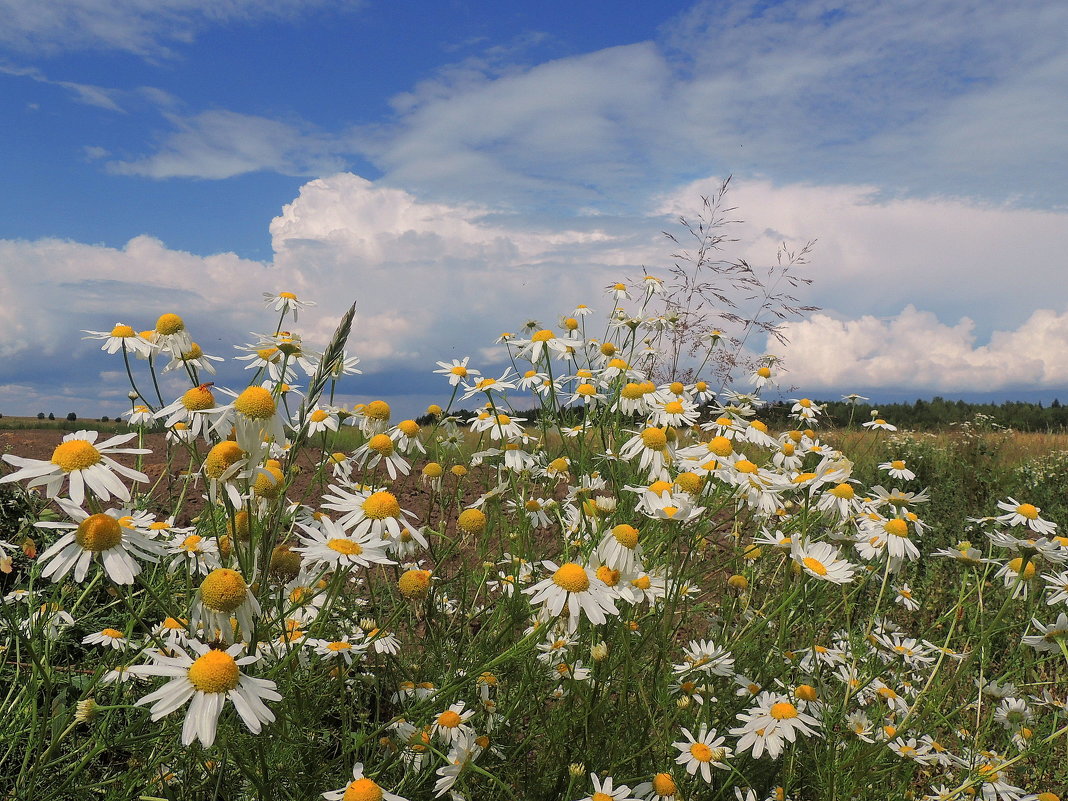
644,600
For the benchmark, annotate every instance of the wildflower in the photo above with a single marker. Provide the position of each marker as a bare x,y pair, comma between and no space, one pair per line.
661,788
877,422
1024,514
100,535
322,420
83,463
1048,637
772,721
451,725
257,419
224,594
108,638
822,561
330,547
905,598
578,588
171,335
376,512
456,370
703,752
619,549
607,791
380,448
286,302
206,682
122,337
704,656
362,788
897,469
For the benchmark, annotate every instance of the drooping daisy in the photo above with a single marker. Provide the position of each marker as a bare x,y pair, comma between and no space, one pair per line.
100,535
703,752
108,638
206,682
772,721
193,359
619,548
257,419
83,463
652,449
380,449
329,546
362,788
122,337
662,787
223,594
578,588
1025,514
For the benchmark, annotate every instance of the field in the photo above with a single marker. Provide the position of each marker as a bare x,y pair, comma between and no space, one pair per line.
656,598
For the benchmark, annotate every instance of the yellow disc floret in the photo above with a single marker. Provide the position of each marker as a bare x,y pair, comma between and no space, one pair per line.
362,789
432,470
409,428
783,710
214,672
414,583
223,590
471,521
198,399
123,331
542,336
344,546
170,324
380,505
626,535
98,533
377,410
256,403
571,577
381,444
896,527
1028,511
664,786
75,454
655,439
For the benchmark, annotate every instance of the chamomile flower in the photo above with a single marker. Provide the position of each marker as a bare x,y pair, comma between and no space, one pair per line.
171,335
877,422
1048,637
578,588
257,419
329,546
322,420
457,370
362,788
607,791
192,358
205,683
82,463
380,449
223,594
662,787
286,302
897,469
451,725
823,561
376,512
702,753
122,337
773,721
619,548
108,638
1025,514
102,535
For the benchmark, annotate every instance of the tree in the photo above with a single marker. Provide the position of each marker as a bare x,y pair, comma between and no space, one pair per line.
40,415
51,415
72,416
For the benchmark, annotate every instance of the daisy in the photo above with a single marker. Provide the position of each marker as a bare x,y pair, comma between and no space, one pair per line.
703,752
546,342
200,554
122,337
346,648
83,463
362,789
257,419
322,420
223,594
661,788
376,512
1049,636
108,638
456,370
805,410
823,561
896,468
619,549
285,302
380,449
488,385
704,656
330,547
406,436
877,422
607,791
206,682
578,588
193,358
451,725
1024,514
100,535
171,335
774,720
678,412
1057,585
652,449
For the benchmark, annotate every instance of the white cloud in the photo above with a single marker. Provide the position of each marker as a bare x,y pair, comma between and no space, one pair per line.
914,350
142,27
222,144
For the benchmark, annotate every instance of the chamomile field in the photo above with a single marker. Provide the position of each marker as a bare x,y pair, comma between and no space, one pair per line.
624,585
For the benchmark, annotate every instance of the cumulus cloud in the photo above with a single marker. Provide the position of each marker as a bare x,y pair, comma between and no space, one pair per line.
915,350
142,27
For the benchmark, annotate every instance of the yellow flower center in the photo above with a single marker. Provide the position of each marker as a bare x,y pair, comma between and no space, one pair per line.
608,575
801,478
759,426
409,428
642,582
173,625
764,372
270,354
586,389
256,403
191,543
381,505
98,533
664,785
345,546
815,565
214,672
75,454
318,416
115,634
844,491
381,444
625,535
542,336
1016,565
198,398
673,407
268,484
806,692
805,403
745,466
414,583
170,324
598,796
898,464
377,410
192,352
655,439
460,471
608,349
721,446
362,790
123,331
433,470
632,391
897,527
1027,510
223,590
572,577
783,710
449,719
701,752
471,520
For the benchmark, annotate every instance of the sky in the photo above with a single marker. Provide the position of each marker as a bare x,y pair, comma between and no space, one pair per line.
457,168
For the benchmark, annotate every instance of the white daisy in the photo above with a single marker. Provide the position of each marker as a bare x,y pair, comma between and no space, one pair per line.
122,337
108,638
223,594
703,752
823,561
457,370
83,463
578,588
607,791
1024,514
286,302
329,546
206,682
771,722
362,788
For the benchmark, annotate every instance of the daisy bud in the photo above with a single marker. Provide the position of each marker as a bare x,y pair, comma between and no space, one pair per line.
577,770
599,651
86,710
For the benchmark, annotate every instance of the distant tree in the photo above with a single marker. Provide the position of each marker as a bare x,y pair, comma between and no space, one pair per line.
104,419
51,415
40,415
72,416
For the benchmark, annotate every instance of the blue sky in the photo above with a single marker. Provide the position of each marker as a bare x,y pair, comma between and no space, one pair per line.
509,160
